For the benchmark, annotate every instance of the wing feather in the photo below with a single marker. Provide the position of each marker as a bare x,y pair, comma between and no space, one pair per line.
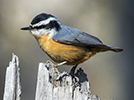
68,35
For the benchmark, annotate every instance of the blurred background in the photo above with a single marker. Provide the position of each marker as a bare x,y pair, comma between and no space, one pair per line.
110,74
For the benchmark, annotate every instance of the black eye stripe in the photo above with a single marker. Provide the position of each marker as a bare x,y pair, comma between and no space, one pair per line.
39,27
50,25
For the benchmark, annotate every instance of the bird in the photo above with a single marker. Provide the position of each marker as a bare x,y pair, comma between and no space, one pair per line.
63,44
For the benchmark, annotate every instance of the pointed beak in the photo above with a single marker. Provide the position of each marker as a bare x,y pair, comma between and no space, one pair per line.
26,28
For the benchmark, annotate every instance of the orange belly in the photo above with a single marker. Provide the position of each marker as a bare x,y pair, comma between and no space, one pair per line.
58,52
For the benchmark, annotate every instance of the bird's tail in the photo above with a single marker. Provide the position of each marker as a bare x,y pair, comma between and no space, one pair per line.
103,48
115,49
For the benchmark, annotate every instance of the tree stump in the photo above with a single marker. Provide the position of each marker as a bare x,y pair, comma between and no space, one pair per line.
51,86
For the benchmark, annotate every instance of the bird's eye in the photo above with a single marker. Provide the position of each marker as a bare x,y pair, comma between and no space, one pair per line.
31,26
38,27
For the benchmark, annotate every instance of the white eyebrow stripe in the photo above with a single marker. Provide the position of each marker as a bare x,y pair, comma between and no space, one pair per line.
44,22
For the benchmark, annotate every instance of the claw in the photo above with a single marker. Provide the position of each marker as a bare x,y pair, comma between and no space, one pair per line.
75,79
48,61
55,68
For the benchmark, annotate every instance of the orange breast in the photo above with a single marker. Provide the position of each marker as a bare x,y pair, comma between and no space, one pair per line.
63,52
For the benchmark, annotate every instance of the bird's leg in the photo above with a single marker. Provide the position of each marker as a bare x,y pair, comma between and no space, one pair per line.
59,64
62,63
56,65
72,73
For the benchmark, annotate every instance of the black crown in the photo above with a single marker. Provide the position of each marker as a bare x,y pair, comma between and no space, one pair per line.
50,25
40,17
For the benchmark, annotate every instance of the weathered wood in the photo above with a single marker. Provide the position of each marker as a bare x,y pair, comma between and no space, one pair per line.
12,89
51,86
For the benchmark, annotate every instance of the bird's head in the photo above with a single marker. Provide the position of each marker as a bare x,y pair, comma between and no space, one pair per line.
44,24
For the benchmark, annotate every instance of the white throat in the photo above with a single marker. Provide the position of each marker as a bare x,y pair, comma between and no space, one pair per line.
51,32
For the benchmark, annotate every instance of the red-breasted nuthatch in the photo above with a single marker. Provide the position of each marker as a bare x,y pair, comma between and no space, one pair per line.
64,44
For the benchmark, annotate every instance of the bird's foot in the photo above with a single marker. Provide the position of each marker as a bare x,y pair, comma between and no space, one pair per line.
59,64
56,65
75,79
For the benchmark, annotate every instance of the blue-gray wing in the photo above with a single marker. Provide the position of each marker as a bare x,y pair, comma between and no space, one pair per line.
68,35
